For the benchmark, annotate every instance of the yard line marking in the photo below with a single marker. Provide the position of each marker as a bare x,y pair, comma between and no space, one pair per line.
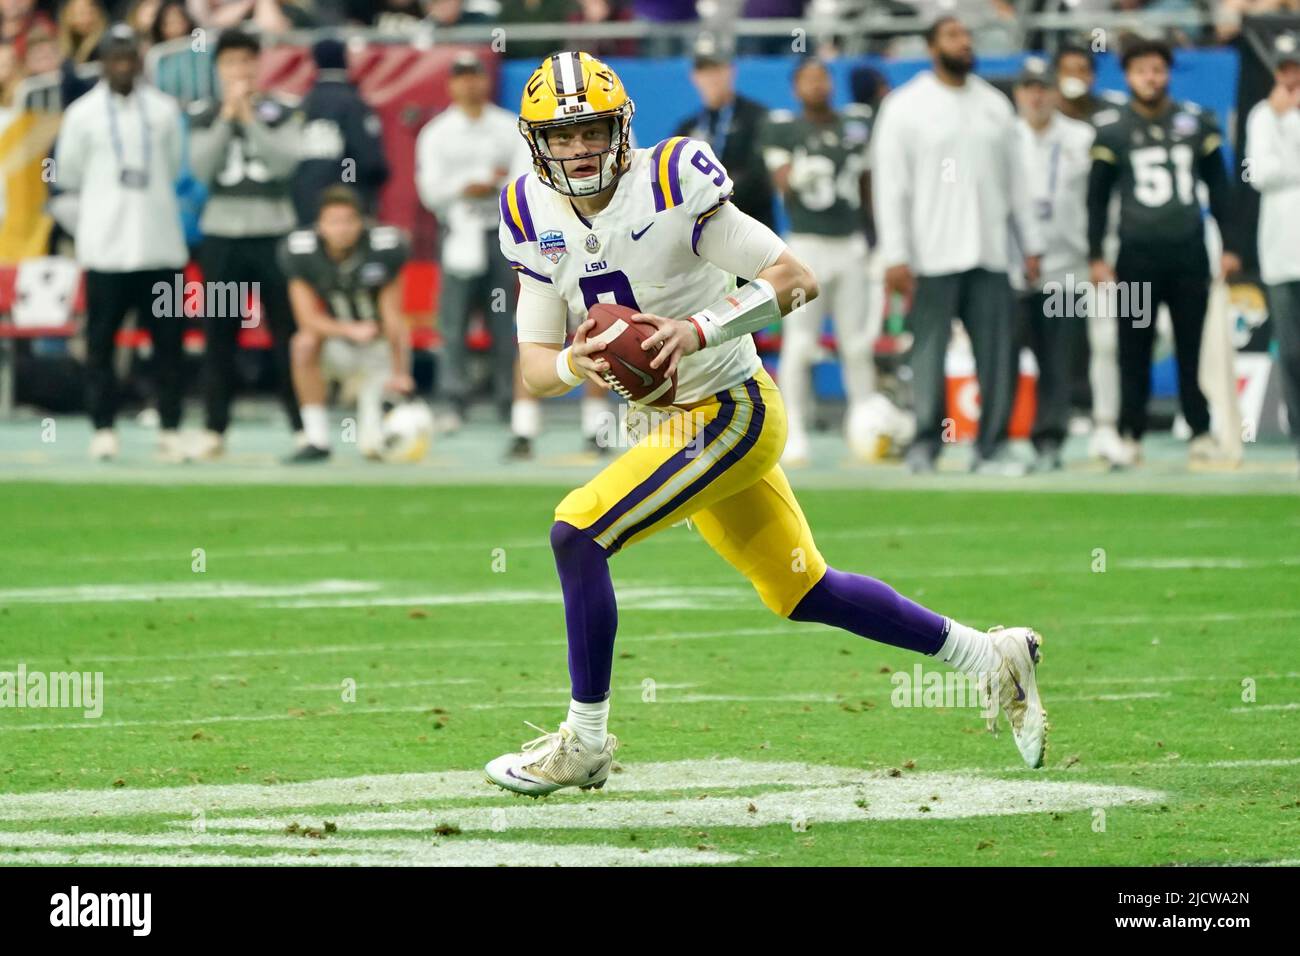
451,853
115,593
432,644
656,598
1108,698
352,710
874,796
1254,707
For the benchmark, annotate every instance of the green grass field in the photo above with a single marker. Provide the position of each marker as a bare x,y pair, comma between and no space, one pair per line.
229,733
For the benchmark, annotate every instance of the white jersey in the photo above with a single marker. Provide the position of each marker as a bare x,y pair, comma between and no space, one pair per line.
640,251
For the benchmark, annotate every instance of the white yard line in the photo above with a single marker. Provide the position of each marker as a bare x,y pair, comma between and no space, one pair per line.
188,591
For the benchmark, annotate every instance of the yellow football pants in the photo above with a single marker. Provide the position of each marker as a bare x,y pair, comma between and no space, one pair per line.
716,463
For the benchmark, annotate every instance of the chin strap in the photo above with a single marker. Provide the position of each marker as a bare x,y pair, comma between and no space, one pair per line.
748,309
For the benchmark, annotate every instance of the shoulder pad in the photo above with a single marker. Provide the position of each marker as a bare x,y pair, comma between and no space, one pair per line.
1187,106
685,172
1105,117
1114,97
780,116
858,111
301,242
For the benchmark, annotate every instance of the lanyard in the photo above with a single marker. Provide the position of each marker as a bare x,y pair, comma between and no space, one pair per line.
116,135
718,135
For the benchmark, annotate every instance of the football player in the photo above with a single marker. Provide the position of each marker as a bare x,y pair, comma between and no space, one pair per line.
344,283
654,230
818,160
1157,151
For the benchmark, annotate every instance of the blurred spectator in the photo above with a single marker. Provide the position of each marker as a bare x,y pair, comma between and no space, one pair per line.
269,16
665,12
140,17
81,24
731,124
171,22
541,12
18,19
769,10
604,11
1075,76
342,140
1273,166
245,149
948,185
453,13
464,156
119,148
1224,32
42,54
387,16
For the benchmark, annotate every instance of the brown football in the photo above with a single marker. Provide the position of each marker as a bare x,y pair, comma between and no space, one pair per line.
630,373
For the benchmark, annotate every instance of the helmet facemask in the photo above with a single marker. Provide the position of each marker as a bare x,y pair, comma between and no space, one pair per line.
612,161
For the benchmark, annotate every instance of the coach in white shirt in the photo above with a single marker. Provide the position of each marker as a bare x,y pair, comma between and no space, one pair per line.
1056,162
464,156
1273,168
119,148
948,183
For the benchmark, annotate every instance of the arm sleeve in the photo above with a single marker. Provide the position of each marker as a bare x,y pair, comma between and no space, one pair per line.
739,244
541,315
1101,180
891,186
208,149
1214,171
277,146
1272,160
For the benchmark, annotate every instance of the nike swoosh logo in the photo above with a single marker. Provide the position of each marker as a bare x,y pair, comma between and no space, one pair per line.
593,773
638,235
645,379
511,773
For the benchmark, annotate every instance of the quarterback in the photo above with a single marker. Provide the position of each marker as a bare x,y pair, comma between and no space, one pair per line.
652,229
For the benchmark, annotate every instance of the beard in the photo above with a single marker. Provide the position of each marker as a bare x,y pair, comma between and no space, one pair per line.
958,65
1154,99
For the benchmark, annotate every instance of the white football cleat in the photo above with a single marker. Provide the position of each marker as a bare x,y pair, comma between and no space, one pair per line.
1016,687
172,448
207,445
103,444
553,761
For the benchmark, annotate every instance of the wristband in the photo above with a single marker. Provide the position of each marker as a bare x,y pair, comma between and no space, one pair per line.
564,370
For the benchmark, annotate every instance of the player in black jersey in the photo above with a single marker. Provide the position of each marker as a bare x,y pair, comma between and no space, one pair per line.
344,283
1157,151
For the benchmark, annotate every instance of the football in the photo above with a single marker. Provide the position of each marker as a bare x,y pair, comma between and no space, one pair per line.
407,432
630,373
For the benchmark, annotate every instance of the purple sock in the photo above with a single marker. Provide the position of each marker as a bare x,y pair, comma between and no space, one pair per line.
590,612
872,609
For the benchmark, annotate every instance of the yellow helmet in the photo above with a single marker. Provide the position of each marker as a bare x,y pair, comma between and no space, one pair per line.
570,88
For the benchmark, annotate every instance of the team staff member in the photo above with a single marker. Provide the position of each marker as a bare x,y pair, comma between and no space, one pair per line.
245,148
463,157
948,184
119,148
1156,151
731,124
1056,161
1273,159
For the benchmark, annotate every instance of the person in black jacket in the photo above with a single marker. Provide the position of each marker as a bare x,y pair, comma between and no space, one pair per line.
731,124
342,138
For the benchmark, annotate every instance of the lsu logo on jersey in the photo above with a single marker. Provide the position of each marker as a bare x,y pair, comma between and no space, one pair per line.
550,243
